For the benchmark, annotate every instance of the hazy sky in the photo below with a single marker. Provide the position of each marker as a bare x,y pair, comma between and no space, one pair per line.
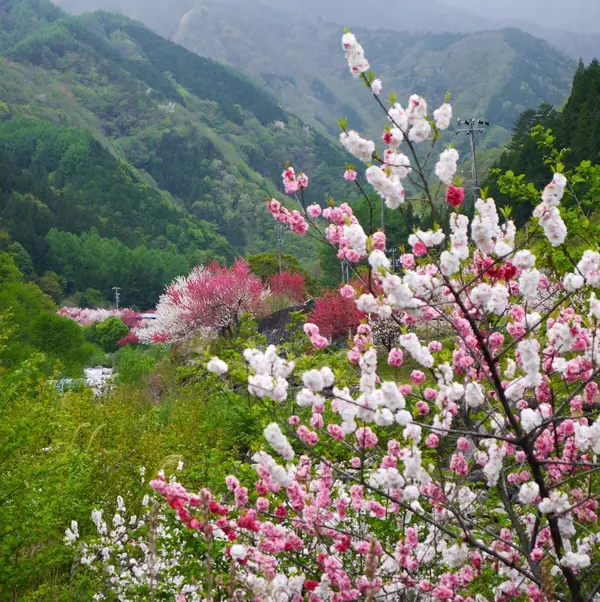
575,15
581,16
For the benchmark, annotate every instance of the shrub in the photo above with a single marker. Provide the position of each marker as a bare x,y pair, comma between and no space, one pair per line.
133,364
62,340
110,332
130,339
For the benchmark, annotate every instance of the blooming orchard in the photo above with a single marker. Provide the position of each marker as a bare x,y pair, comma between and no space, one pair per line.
473,478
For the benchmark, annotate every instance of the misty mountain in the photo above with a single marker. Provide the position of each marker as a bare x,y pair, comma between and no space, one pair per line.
495,74
427,15
574,32
114,140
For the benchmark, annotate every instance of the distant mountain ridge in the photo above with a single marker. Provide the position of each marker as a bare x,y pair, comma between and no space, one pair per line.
495,74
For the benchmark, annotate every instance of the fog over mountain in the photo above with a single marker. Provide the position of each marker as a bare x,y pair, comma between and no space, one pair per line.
575,31
579,16
573,27
427,15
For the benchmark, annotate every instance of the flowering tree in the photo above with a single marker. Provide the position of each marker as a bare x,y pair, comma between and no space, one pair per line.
209,301
129,339
291,286
85,316
476,479
336,316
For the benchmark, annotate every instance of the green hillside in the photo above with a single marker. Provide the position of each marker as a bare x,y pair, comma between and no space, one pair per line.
106,125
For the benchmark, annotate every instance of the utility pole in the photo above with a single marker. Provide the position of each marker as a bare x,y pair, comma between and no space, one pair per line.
279,229
117,295
382,215
345,271
472,127
394,260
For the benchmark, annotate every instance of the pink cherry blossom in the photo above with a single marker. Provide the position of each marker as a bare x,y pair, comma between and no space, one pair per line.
396,358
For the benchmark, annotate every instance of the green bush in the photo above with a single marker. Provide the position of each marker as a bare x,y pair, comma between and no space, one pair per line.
110,332
62,340
38,329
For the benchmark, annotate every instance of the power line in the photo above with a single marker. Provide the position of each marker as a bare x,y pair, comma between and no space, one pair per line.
472,127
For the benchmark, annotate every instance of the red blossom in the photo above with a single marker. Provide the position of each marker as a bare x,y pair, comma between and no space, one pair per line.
455,195
311,585
288,285
130,318
130,339
336,316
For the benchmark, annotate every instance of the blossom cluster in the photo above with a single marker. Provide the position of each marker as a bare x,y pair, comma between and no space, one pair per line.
292,182
547,211
137,557
294,219
86,316
472,478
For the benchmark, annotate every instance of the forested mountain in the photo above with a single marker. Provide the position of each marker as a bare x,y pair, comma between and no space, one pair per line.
127,157
495,74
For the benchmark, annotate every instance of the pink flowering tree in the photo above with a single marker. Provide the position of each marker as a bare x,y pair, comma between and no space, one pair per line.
475,477
210,301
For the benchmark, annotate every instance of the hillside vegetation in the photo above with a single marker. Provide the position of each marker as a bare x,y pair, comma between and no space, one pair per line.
110,130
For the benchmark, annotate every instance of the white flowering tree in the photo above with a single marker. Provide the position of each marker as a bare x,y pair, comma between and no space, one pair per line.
473,478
